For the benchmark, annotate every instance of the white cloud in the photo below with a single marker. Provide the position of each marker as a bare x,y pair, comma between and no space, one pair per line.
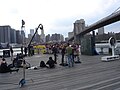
54,14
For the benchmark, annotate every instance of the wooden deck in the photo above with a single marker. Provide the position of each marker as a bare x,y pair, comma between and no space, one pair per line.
91,74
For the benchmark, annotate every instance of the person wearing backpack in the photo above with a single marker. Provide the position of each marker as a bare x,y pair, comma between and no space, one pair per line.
42,64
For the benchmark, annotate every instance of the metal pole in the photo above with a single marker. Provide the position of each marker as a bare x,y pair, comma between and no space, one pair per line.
39,26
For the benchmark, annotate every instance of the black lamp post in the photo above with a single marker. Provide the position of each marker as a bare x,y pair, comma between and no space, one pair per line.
39,26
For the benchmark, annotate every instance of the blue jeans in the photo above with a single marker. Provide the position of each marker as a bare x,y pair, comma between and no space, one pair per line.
70,61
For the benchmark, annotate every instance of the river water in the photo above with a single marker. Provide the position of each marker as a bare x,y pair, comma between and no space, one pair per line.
99,47
105,48
16,50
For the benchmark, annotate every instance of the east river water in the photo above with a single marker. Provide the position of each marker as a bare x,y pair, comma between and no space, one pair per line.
101,46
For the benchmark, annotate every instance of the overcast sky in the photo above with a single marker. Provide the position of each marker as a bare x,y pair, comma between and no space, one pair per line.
57,16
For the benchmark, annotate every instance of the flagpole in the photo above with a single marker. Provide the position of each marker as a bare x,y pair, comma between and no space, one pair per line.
23,81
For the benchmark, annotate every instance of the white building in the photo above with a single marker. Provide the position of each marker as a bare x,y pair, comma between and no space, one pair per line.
32,32
42,35
61,37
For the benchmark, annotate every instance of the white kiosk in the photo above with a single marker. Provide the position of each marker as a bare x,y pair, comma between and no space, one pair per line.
113,44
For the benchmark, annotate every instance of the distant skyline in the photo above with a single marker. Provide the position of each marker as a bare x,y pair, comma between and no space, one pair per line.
57,16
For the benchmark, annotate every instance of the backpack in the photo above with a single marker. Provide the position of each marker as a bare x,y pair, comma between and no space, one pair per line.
42,64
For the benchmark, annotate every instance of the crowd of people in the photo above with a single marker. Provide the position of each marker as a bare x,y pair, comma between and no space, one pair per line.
16,62
4,67
70,55
71,52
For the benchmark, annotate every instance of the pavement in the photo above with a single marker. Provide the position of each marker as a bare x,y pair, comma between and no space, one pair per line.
91,74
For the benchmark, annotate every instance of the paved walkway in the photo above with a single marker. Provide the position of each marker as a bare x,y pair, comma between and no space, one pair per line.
91,74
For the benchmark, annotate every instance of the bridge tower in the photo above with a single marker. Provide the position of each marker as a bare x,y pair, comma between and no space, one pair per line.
88,44
79,26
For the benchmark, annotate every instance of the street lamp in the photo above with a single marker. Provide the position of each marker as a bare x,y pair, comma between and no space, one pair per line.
39,26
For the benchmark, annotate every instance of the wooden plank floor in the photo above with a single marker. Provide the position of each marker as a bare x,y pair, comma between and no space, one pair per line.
91,74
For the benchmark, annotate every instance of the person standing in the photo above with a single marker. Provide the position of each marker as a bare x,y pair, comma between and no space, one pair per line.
11,52
63,54
69,55
25,51
22,50
77,55
55,53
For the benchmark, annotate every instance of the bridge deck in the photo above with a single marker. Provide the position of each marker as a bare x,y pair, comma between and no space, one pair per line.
91,74
114,17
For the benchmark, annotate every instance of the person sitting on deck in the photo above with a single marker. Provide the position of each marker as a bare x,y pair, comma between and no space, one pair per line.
51,63
4,68
42,64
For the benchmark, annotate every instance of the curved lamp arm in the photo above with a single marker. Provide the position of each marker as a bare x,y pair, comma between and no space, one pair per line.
39,26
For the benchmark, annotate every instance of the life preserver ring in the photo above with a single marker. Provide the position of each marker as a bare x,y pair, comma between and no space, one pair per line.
112,42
